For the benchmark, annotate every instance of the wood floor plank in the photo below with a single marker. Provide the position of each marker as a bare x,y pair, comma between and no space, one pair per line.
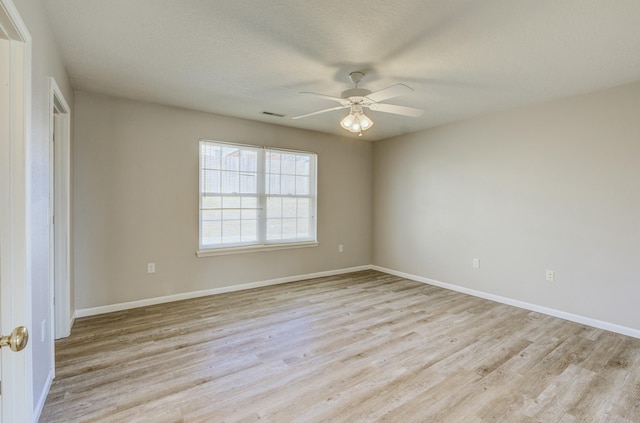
360,347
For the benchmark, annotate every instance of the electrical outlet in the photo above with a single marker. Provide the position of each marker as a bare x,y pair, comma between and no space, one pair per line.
151,268
476,263
340,248
550,275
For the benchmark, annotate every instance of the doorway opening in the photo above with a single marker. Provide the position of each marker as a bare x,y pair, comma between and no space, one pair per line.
60,206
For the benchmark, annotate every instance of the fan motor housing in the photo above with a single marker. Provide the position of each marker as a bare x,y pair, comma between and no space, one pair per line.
355,92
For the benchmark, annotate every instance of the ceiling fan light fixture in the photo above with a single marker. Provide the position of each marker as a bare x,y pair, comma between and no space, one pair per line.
348,121
365,122
356,121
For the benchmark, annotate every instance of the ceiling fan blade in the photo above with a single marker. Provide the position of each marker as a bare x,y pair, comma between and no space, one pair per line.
318,112
389,92
344,101
395,109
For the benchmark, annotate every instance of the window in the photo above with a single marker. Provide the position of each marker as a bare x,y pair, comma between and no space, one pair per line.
255,197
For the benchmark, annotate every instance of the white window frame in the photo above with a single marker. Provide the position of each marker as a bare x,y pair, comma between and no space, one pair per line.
262,243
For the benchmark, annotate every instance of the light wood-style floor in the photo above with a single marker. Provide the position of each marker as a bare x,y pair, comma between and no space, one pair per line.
360,347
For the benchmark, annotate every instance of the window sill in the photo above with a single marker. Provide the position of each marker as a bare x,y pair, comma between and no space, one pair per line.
254,249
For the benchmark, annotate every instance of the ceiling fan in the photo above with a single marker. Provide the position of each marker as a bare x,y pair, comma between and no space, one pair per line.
356,99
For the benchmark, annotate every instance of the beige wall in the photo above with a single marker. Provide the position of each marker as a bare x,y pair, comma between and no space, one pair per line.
136,201
554,186
46,63
544,187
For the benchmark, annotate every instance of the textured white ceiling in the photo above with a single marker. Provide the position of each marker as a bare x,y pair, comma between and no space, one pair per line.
242,57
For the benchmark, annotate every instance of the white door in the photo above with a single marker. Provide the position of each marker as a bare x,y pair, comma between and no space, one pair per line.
16,398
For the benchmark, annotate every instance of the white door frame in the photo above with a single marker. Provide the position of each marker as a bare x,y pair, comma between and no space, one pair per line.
15,279
60,206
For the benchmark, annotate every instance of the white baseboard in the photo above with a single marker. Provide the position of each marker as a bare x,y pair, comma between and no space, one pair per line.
92,311
73,320
635,333
43,397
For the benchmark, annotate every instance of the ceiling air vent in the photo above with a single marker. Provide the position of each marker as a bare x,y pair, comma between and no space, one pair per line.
272,114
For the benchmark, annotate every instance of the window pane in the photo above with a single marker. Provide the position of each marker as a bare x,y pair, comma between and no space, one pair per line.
230,182
274,229
233,214
249,202
216,158
249,214
304,206
249,160
302,165
273,162
211,158
274,207
230,158
288,228
211,202
249,230
289,206
288,185
231,202
211,215
302,185
303,228
288,165
231,231
211,232
248,183
273,184
211,180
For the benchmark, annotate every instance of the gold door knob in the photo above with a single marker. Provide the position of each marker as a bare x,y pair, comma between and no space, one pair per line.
17,340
